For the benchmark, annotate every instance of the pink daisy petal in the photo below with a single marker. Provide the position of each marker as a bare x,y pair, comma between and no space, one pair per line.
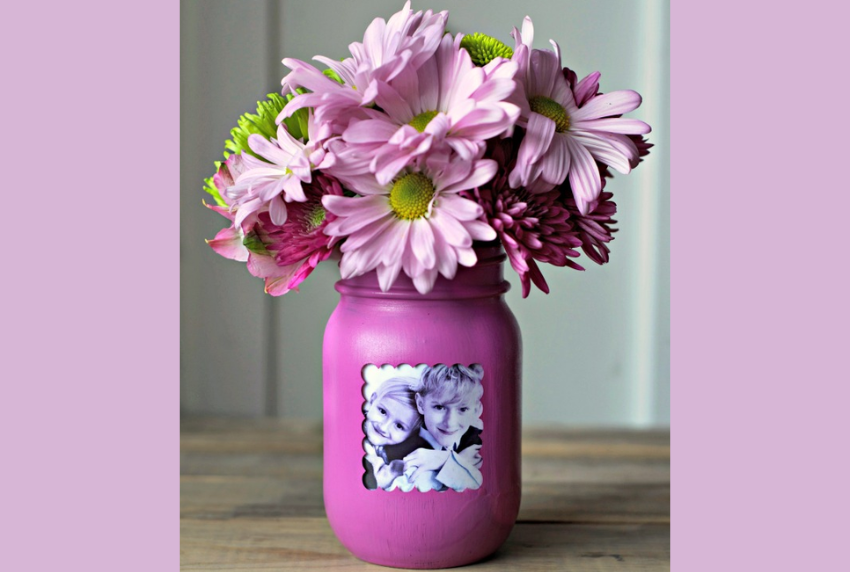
480,231
467,150
557,161
429,86
264,148
362,183
538,138
424,282
450,229
369,131
387,274
277,211
422,243
393,103
480,124
608,104
466,257
621,143
355,212
293,189
371,232
343,71
439,126
602,150
495,90
615,125
446,257
587,88
395,240
584,175
483,171
460,208
544,71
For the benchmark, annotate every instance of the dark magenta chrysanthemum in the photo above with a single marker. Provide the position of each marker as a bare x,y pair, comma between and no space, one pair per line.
594,229
531,226
301,239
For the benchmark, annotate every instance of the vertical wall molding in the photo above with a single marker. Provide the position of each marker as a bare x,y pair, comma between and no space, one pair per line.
650,286
269,303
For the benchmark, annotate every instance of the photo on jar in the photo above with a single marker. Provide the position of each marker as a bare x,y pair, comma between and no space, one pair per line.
422,427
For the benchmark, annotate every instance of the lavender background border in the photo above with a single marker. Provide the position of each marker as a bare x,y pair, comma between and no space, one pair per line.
759,312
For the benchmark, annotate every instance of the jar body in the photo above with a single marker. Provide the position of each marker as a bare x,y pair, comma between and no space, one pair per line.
463,321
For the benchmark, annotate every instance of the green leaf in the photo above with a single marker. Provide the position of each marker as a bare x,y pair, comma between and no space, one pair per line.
210,188
262,123
333,75
253,243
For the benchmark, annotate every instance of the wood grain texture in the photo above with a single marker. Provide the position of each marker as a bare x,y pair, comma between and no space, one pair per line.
251,499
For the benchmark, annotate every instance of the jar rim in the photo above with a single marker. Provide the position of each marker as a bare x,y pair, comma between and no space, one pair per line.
488,269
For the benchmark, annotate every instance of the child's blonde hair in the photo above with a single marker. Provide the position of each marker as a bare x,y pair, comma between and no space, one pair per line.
452,383
400,389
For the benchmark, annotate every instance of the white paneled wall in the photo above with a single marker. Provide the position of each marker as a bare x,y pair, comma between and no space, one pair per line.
596,350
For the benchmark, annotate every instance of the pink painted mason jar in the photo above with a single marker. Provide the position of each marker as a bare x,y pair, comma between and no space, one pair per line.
422,418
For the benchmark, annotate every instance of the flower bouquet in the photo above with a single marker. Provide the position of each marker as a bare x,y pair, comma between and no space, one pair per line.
424,154
421,143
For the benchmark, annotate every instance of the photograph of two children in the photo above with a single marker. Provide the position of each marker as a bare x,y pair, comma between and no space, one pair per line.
422,427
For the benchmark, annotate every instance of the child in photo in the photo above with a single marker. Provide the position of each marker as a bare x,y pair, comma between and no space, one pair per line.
445,453
391,417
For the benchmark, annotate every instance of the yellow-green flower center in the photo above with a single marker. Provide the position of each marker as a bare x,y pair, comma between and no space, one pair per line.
551,109
421,121
411,195
315,218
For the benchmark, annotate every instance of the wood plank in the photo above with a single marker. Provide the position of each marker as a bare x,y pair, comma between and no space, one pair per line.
309,544
251,499
225,497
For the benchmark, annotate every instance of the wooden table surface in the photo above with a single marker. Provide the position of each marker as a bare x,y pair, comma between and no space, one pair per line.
251,499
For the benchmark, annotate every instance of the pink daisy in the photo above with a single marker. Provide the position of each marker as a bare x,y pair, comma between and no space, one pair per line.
404,42
569,128
288,163
333,105
416,223
447,102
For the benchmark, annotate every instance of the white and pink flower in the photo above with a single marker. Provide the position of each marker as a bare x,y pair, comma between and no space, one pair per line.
404,42
568,131
277,180
418,223
447,104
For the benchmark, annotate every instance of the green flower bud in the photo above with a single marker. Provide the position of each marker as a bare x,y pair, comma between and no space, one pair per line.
483,49
263,124
333,75
209,187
